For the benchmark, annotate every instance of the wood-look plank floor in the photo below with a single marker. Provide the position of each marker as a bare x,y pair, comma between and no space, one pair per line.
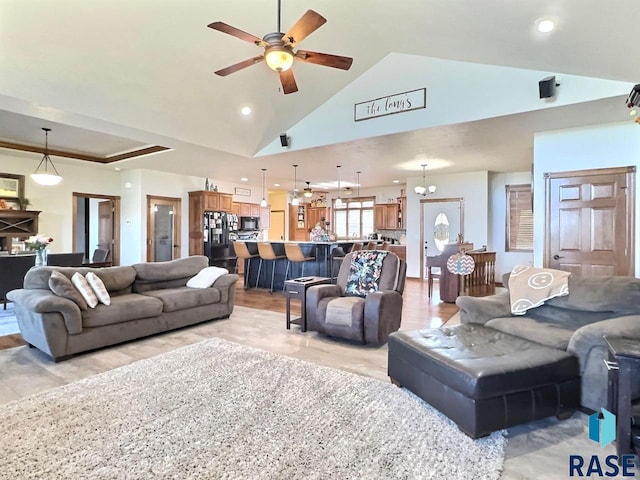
419,311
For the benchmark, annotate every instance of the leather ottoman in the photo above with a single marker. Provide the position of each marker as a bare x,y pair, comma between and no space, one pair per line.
482,379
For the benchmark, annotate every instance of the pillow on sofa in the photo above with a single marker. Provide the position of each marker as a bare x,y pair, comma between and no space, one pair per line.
206,277
530,287
98,288
85,289
62,286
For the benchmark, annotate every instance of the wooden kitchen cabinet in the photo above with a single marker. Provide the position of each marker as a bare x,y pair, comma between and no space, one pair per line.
243,209
199,202
402,213
385,216
213,201
298,230
315,214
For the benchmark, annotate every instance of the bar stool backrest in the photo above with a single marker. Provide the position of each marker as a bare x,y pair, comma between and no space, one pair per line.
294,252
241,249
265,249
356,246
372,246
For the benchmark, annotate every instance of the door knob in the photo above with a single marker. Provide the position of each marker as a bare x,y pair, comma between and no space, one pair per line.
557,257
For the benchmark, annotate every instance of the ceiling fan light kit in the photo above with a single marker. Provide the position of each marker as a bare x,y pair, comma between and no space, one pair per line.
278,49
308,193
44,177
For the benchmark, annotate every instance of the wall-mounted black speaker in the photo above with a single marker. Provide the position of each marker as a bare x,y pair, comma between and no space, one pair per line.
284,140
547,87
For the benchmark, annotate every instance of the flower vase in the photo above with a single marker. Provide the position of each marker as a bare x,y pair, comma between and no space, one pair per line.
41,257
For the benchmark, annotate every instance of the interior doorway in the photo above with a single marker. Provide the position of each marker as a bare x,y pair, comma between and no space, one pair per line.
163,228
96,225
590,221
277,225
441,222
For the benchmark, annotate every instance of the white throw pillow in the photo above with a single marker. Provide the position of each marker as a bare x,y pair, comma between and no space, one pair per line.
98,288
206,277
85,289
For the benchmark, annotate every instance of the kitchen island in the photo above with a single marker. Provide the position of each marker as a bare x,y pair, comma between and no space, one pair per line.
320,267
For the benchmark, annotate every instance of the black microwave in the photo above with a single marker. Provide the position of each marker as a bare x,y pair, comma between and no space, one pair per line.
249,223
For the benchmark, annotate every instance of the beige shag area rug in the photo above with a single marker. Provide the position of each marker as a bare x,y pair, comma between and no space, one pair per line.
219,410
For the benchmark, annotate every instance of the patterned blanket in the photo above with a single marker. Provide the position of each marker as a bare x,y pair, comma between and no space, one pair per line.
530,287
364,272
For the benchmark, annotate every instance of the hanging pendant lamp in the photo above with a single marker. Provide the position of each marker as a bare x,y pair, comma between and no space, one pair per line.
358,173
44,177
423,189
338,200
263,202
295,201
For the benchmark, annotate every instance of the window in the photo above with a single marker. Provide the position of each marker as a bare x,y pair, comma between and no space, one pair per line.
354,218
519,218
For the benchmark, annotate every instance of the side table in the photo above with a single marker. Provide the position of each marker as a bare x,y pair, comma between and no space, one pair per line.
296,288
624,368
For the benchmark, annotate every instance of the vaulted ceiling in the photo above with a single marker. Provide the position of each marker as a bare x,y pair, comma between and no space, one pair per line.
110,77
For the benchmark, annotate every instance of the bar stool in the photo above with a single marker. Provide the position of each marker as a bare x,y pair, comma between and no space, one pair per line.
337,256
384,246
356,246
293,251
265,251
243,253
372,246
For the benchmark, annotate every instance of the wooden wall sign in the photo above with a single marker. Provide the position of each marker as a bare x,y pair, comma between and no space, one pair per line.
389,105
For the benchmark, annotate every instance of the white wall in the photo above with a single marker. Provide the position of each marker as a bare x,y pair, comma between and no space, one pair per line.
472,187
602,146
56,203
505,261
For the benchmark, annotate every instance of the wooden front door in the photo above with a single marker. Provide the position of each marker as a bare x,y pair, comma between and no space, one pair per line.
590,221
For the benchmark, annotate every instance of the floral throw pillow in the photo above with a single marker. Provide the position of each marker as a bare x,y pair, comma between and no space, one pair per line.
364,272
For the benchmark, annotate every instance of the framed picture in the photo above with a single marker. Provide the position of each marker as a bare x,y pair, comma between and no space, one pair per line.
11,186
245,192
9,204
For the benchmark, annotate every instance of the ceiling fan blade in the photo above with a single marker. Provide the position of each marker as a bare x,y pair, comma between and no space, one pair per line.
288,81
239,66
326,59
306,25
236,32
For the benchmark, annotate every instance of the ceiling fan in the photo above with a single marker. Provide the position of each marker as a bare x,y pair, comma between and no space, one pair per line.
278,49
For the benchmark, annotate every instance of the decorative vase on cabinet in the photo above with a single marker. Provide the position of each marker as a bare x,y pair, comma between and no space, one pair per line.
41,257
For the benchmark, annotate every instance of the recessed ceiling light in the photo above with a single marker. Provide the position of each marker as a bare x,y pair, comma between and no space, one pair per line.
396,181
276,184
117,169
546,25
244,179
246,111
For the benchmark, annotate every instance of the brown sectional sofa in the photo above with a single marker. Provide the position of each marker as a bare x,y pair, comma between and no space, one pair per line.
146,298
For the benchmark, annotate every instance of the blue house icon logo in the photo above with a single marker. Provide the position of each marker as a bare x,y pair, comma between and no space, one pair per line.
602,427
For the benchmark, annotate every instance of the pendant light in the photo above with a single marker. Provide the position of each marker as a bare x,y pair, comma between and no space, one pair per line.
296,200
263,202
44,177
423,189
358,173
338,200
